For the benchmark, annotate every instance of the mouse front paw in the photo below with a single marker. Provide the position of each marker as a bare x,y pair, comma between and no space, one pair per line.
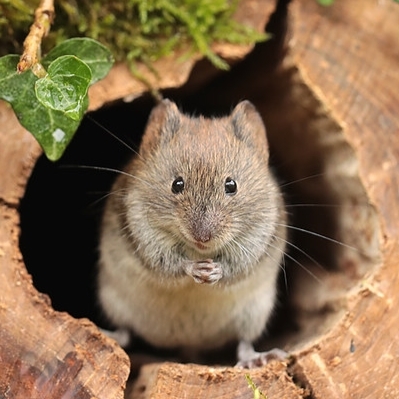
204,271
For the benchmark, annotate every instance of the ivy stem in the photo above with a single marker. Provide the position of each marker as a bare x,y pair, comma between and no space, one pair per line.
44,16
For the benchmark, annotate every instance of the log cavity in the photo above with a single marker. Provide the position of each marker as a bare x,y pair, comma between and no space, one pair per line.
334,232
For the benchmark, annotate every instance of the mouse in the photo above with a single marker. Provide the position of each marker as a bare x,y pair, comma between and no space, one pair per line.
193,235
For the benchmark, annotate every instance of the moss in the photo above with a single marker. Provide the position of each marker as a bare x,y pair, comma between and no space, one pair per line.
15,19
134,30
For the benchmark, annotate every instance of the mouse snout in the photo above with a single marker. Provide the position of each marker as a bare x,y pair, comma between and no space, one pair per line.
204,227
202,232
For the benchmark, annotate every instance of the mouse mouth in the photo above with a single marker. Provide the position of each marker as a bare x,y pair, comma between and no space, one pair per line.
201,246
198,245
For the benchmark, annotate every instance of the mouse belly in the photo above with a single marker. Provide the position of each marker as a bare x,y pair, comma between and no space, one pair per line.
191,314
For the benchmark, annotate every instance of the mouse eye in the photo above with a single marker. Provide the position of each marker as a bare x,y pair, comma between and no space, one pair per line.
178,185
230,186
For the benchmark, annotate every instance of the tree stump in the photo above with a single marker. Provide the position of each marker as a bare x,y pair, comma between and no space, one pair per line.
328,96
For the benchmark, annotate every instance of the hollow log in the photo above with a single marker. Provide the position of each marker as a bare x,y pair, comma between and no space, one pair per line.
331,109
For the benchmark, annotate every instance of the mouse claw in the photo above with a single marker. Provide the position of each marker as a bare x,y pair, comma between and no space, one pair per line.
204,272
249,358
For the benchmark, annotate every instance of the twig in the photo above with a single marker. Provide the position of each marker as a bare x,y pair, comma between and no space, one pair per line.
44,16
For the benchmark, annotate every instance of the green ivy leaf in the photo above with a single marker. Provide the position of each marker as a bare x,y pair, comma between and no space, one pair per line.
65,86
52,129
51,108
96,56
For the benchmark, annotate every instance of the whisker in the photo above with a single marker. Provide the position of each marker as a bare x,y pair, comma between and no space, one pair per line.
286,254
319,236
281,261
99,200
302,252
283,268
112,134
302,179
339,206
312,206
109,194
106,169
248,254
303,268
278,261
103,168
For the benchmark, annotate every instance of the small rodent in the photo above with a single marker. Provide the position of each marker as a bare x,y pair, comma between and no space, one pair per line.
193,234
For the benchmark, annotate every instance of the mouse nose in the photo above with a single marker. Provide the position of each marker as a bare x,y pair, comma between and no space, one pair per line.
202,232
203,229
202,236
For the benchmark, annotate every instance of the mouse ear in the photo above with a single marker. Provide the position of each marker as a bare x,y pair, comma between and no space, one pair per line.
162,124
248,126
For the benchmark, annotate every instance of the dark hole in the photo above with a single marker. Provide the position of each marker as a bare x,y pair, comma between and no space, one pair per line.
61,209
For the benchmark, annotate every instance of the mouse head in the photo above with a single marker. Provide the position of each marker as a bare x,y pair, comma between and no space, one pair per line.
207,181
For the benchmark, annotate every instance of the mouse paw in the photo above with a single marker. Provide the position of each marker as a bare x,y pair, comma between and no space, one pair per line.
121,336
204,271
248,358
